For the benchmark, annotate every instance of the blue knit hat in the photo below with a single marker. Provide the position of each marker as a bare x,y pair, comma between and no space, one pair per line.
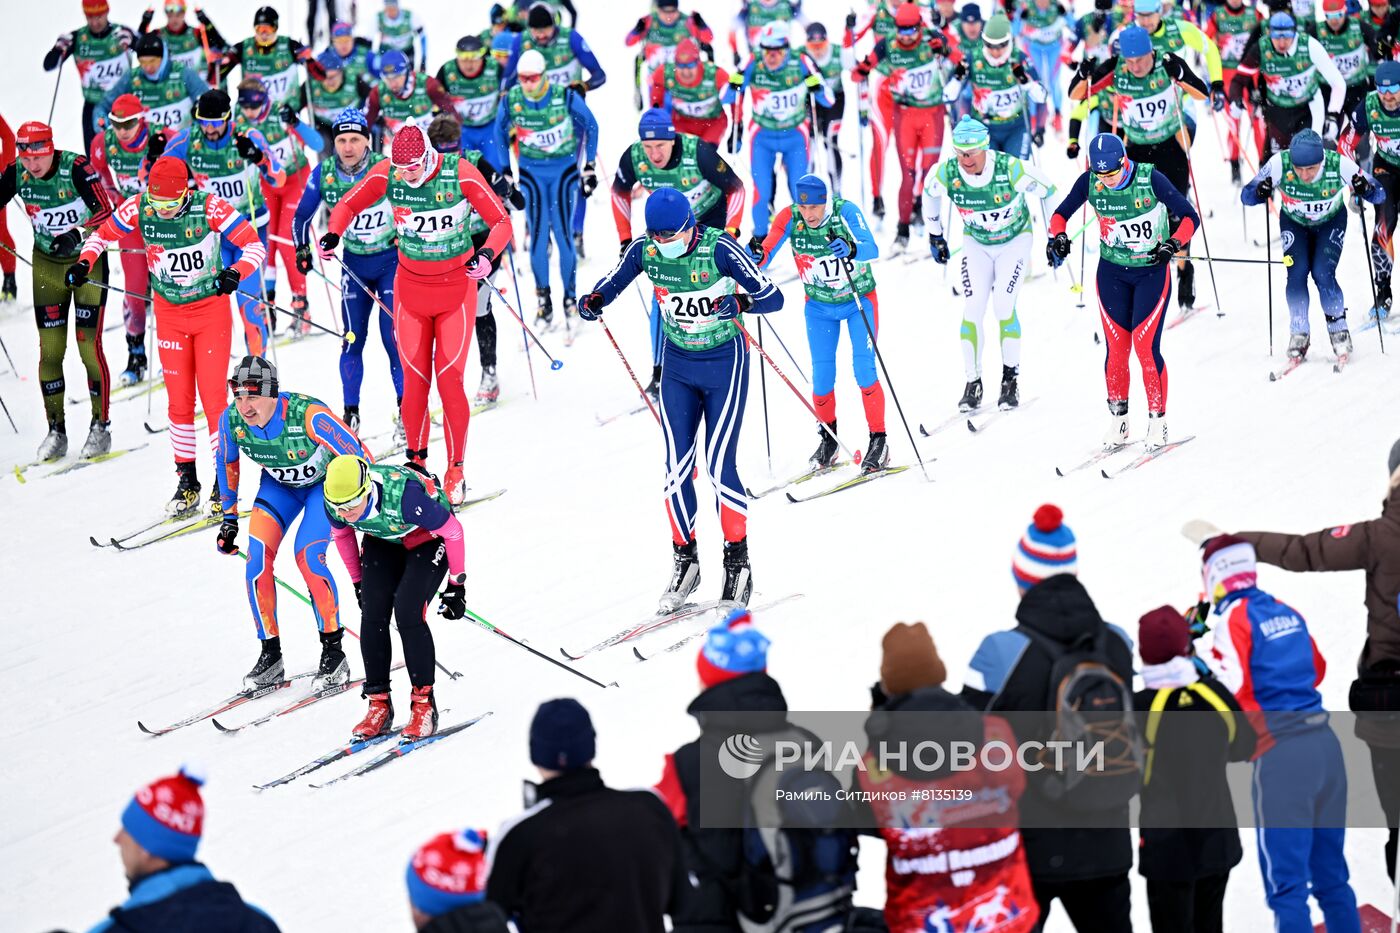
504,41
350,120
1283,24
732,649
971,133
971,13
1046,549
562,736
811,189
668,211
166,817
1134,42
1306,148
1388,73
393,63
656,124
331,61
447,872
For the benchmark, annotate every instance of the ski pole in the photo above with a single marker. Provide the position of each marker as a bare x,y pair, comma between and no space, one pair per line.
515,641
7,413
553,363
875,344
524,331
800,397
1083,254
1181,138
763,387
1269,274
9,359
1371,271
1285,261
361,282
348,336
795,365
863,117
628,366
57,81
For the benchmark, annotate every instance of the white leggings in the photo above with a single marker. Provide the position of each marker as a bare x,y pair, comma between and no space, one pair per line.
992,273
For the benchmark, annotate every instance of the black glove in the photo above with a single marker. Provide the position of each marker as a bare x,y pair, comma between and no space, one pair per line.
77,274
146,18
728,307
755,248
1084,70
960,72
1057,250
227,542
589,177
1072,150
736,137
590,306
68,242
1173,66
514,196
203,20
329,242
623,252
1218,100
454,601
155,144
1018,71
1264,190
850,21
228,281
248,149
304,259
1361,187
938,246
359,595
288,115
1166,251
642,26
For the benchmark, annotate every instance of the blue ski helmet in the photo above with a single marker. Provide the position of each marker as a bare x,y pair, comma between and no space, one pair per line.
503,42
1283,25
330,60
971,133
1106,154
668,212
1134,42
393,63
656,124
811,189
350,120
1306,148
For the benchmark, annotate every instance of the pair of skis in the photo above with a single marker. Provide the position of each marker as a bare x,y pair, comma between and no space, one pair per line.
230,702
174,526
309,699
661,620
20,469
1339,363
1145,457
977,421
687,639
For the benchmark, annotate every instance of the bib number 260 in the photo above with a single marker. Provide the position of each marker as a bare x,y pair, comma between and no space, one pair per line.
691,306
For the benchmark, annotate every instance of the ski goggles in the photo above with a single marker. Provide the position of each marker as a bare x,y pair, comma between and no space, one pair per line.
171,204
472,56
529,79
252,100
906,31
173,8
248,388
1388,88
264,34
36,148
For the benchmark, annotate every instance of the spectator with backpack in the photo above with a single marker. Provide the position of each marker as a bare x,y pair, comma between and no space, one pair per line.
739,881
583,857
1062,655
949,863
1188,840
1263,652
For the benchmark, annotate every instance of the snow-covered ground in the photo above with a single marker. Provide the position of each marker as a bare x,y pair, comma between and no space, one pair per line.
578,547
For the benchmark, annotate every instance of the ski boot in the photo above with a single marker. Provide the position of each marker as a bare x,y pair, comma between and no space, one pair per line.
378,720
334,670
1010,395
877,453
544,314
99,440
268,669
135,360
1156,430
454,484
825,456
216,504
1382,307
578,245
55,444
685,577
1298,346
653,389
738,580
877,207
490,389
570,310
302,325
1038,138
1117,433
1235,178
352,418
422,715
901,238
186,499
1186,286
1341,344
972,396
9,291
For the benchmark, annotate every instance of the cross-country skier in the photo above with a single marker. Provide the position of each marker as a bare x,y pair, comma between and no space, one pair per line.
832,247
1092,30
231,165
333,94
665,158
1350,42
411,542
550,123
1003,82
704,375
1230,26
1283,72
917,59
1378,117
989,191
1136,205
196,47
101,52
472,81
778,84
1043,27
123,155
167,88
827,125
432,197
1312,183
357,52
660,33
65,198
400,31
691,88
293,437
403,96
199,248
1171,33
287,135
754,17
271,57
876,100
371,256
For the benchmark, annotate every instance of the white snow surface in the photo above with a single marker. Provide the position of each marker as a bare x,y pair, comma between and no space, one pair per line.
578,547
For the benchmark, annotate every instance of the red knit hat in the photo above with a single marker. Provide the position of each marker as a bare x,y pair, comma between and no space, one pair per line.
169,179
166,817
95,7
34,139
687,52
1334,6
447,872
126,108
1162,635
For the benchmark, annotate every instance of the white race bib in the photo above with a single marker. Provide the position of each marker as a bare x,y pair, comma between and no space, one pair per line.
693,312
433,226
1150,113
184,265
779,105
107,72
920,83
1136,234
60,218
176,115
478,111
368,223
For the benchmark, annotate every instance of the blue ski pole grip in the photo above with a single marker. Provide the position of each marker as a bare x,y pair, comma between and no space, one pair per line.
556,364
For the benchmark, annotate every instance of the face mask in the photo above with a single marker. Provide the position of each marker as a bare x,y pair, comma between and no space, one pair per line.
674,248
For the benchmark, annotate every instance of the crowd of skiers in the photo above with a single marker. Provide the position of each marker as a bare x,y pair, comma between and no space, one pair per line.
1242,658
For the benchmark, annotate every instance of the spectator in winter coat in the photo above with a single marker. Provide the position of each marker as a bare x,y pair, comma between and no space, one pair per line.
447,886
1372,546
1189,840
1085,868
170,891
1262,651
582,858
953,863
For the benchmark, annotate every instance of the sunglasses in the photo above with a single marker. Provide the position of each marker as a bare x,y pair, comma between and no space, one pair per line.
171,10
1388,88
469,56
530,79
37,148
243,389
907,31
120,122
664,234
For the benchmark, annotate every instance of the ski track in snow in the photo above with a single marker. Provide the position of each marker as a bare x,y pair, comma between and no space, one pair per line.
578,549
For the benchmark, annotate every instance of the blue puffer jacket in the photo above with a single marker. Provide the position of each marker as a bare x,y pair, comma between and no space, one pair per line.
185,899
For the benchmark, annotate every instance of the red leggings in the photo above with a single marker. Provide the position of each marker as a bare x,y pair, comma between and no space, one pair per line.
193,340
7,259
434,317
711,131
281,209
918,135
881,121
136,277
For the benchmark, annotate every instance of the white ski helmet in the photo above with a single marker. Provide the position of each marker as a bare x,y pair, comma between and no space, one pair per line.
774,36
531,63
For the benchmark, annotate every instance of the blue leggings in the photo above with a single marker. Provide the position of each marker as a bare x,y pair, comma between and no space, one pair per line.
1315,251
713,385
766,146
824,333
377,271
274,510
1132,305
255,318
550,187
1010,137
658,337
480,138
1046,58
